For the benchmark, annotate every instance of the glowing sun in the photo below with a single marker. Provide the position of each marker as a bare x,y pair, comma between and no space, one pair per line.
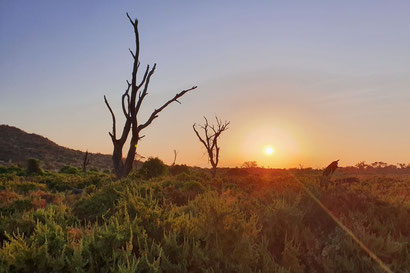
269,150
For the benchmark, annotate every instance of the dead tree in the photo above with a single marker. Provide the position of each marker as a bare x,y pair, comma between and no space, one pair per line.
131,102
86,161
175,157
210,140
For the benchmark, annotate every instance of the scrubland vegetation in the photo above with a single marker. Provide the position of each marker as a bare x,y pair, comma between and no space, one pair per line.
179,219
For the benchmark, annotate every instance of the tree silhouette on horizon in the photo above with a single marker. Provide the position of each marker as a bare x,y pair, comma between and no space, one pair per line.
131,101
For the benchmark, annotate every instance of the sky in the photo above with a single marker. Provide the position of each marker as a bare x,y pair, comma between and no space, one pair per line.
316,80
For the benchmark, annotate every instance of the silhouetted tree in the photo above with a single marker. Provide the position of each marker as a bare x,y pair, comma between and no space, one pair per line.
131,105
362,166
250,164
86,161
210,140
379,164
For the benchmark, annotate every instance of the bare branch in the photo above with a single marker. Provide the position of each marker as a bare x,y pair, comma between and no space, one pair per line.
126,110
132,22
154,114
146,79
199,136
132,53
175,157
113,134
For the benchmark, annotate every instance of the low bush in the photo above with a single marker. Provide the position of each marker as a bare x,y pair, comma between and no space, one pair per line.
33,167
178,169
153,167
70,170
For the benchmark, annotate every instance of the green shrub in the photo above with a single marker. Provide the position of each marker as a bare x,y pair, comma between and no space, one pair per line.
13,169
153,167
177,169
181,192
20,205
33,167
99,204
69,170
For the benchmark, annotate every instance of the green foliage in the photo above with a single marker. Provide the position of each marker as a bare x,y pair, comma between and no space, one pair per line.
259,222
98,204
153,167
179,192
33,167
178,169
70,170
15,170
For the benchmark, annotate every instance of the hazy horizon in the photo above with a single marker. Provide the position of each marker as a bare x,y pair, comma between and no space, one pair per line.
316,81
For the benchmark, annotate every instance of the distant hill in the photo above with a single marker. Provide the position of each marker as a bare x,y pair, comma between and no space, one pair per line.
16,146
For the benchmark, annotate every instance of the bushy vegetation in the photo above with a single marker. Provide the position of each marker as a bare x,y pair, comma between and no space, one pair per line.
253,221
153,167
33,167
69,170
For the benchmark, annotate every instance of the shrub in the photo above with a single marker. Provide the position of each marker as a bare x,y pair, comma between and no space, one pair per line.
177,169
153,167
98,204
33,167
20,205
13,169
69,170
181,191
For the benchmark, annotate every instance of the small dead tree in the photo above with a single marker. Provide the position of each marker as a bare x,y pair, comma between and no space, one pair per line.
132,100
210,140
175,157
86,161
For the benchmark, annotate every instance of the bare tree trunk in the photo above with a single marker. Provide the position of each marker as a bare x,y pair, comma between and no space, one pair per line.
131,104
86,161
175,157
213,171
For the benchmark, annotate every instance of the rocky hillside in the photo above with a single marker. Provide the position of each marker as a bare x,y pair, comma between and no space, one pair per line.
16,146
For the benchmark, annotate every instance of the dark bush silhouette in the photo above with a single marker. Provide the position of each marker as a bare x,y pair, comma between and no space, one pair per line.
33,167
177,169
153,167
